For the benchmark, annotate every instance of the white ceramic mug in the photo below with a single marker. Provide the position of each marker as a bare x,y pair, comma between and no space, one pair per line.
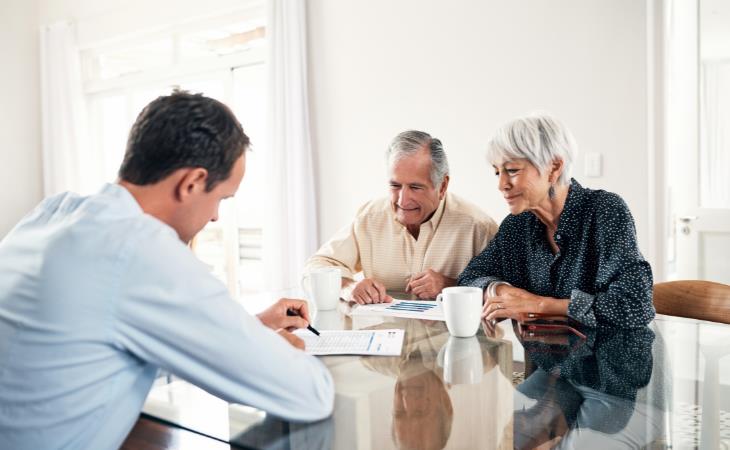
462,308
462,361
325,284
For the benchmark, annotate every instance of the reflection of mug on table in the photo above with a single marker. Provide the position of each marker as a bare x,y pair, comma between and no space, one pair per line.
462,309
325,284
462,361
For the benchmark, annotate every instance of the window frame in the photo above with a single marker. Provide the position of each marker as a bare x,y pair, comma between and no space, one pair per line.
216,68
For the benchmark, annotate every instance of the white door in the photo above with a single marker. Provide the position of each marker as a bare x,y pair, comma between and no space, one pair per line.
698,138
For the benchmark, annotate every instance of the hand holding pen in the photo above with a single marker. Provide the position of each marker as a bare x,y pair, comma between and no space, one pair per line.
292,313
278,315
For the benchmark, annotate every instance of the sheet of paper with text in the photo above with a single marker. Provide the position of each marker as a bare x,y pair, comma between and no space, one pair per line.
353,342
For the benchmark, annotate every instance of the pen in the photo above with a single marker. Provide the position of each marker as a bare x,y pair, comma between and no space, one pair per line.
291,312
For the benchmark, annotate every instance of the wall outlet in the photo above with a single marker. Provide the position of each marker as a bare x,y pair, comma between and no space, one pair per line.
593,166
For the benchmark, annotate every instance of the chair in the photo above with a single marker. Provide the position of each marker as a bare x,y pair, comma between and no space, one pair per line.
695,299
702,300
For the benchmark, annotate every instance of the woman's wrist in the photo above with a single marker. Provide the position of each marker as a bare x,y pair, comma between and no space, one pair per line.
491,290
550,306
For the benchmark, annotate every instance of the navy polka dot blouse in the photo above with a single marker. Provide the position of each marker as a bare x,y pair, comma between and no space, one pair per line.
598,267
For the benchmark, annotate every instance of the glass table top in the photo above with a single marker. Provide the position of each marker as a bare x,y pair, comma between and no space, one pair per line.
663,386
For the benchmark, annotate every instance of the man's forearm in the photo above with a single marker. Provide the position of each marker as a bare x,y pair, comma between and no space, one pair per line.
448,282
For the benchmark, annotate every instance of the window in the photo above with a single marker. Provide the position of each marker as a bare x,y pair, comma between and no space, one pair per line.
222,58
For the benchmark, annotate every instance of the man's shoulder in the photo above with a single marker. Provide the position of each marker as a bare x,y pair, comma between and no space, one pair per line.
465,211
374,209
108,226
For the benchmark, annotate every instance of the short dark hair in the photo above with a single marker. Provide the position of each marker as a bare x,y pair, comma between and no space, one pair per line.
183,130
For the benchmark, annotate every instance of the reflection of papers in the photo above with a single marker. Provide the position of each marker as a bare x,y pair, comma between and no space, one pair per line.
353,342
412,309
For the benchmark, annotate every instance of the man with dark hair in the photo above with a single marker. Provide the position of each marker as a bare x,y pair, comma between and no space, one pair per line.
98,292
183,130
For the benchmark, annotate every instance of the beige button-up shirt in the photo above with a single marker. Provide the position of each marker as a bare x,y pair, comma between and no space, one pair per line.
377,245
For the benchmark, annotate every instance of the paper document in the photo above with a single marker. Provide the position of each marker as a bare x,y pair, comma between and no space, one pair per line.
412,309
352,342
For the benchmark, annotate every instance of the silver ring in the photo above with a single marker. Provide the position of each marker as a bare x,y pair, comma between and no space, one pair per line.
500,306
531,315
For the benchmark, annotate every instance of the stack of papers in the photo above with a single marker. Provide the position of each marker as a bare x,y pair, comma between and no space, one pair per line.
412,309
353,342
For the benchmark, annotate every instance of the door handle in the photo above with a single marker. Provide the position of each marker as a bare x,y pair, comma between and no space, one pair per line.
687,219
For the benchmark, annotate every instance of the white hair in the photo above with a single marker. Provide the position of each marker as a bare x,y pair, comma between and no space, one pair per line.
410,142
540,139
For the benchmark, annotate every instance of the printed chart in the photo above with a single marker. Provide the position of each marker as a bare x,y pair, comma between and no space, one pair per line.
412,309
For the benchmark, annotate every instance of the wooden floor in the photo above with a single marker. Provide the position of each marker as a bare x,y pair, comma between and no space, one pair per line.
148,434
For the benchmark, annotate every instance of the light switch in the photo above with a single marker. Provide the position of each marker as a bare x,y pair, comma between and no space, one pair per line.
593,164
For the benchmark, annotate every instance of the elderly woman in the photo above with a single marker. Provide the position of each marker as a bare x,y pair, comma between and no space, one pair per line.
564,249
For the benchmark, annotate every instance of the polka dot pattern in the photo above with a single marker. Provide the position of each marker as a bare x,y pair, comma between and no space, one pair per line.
614,361
598,267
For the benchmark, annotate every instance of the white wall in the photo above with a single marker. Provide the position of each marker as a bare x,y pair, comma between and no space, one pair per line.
20,121
20,118
458,70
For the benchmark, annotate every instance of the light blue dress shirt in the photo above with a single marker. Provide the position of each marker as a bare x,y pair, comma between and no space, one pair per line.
95,296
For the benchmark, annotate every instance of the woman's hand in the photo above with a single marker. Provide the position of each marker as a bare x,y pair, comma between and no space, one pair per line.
492,330
515,303
512,303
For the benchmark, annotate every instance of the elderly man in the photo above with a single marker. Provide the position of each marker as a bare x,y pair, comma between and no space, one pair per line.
417,240
99,292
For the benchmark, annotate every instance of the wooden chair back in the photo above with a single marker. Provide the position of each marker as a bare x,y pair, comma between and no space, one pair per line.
696,299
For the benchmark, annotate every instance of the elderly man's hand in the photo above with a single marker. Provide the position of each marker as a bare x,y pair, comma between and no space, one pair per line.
369,291
428,284
276,317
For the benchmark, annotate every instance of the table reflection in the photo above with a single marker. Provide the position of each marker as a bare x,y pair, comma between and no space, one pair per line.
583,392
655,387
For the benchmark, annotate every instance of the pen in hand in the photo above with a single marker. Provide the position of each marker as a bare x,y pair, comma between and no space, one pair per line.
291,312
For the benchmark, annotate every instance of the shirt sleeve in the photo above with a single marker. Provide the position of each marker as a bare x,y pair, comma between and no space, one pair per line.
484,268
174,314
341,251
486,231
623,285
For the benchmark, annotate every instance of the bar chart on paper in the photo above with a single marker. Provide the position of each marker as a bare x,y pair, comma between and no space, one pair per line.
412,309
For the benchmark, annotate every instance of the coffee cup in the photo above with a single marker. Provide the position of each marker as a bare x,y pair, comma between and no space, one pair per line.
325,284
462,307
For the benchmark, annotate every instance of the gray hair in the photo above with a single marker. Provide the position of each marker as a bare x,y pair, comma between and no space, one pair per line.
540,139
409,142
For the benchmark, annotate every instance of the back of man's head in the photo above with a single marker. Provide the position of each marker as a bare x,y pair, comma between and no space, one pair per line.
183,130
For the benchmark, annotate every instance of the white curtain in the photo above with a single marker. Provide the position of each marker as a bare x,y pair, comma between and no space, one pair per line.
65,152
715,135
290,228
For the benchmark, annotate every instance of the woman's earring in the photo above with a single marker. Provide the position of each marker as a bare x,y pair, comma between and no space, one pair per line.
551,192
